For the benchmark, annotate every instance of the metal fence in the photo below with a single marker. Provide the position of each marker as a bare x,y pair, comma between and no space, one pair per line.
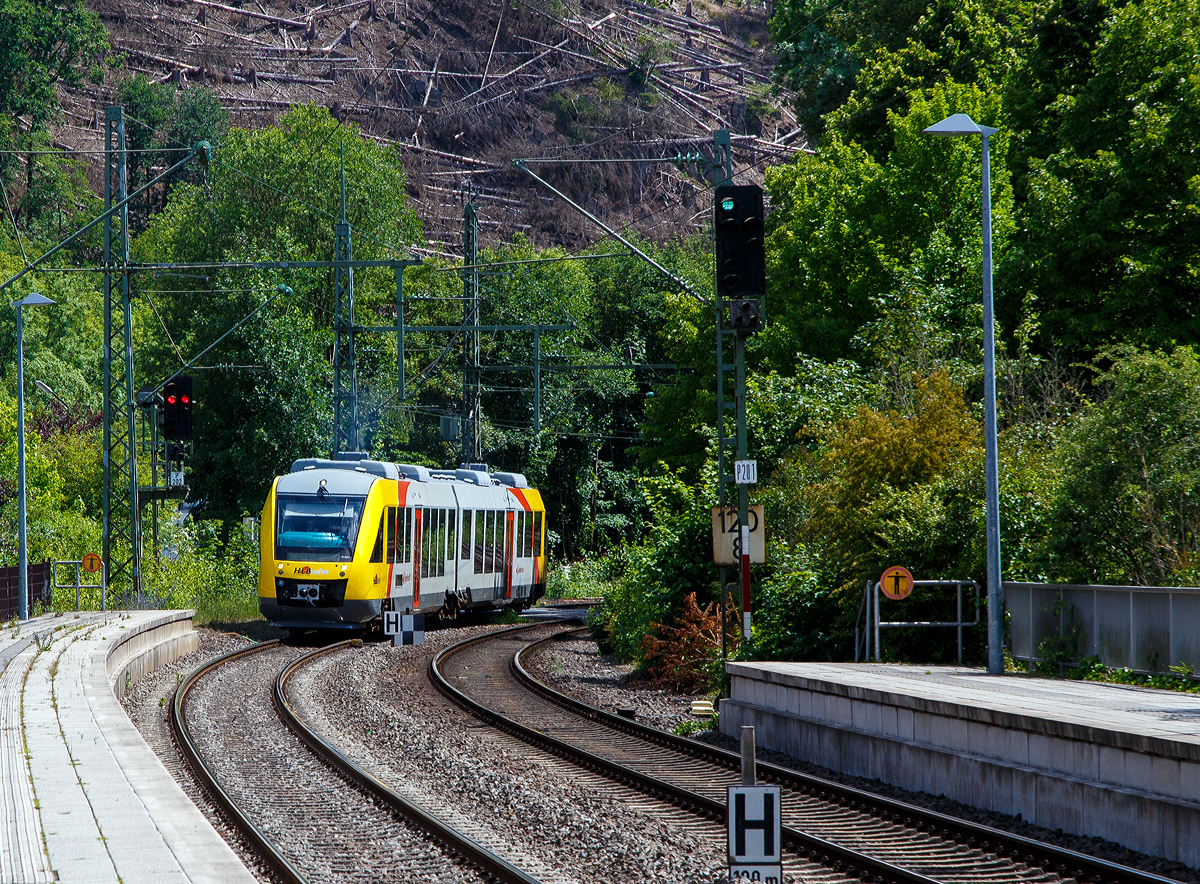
1144,628
39,588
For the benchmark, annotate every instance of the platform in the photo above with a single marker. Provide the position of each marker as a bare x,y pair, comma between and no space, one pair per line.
1113,761
83,798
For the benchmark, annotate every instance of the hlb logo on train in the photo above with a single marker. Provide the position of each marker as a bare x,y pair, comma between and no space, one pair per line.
755,830
405,629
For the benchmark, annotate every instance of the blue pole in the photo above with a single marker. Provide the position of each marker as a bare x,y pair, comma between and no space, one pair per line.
22,551
991,464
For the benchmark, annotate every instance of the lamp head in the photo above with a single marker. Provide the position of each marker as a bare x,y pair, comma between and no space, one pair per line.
33,299
959,124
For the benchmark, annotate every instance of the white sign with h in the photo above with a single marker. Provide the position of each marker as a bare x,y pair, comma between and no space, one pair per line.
755,831
405,629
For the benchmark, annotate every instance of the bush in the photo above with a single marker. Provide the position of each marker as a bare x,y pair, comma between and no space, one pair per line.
674,561
687,656
198,570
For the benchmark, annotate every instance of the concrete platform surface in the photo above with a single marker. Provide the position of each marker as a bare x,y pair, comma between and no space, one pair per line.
1113,761
83,798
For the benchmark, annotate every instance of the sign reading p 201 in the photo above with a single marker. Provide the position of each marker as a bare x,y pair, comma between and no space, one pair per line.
726,532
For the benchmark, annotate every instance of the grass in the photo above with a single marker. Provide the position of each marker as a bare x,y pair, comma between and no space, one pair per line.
697,726
1176,678
584,579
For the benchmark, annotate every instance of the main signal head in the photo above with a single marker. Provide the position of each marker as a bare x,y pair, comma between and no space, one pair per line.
741,258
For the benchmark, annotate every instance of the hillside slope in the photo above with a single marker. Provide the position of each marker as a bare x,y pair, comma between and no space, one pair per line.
464,86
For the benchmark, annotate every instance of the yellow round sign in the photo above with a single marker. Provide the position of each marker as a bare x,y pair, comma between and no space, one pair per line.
896,583
92,563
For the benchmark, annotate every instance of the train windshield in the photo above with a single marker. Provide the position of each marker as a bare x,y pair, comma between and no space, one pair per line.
317,528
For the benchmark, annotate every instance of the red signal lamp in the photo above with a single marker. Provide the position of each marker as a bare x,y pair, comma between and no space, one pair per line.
170,400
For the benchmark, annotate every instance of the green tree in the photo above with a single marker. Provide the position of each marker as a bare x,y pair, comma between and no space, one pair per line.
851,64
1109,245
42,45
1128,507
881,262
272,195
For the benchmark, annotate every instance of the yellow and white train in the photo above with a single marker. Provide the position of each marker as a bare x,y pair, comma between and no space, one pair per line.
343,540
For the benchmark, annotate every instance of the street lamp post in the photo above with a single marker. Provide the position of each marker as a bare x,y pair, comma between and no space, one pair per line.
956,126
31,300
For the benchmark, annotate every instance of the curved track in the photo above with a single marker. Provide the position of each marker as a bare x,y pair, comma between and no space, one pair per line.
311,813
849,830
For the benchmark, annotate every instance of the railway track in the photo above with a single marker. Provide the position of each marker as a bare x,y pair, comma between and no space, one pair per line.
311,813
852,832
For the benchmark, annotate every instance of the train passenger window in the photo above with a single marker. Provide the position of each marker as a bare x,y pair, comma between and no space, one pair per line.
426,519
443,536
406,536
377,549
537,533
529,534
478,554
436,541
467,534
498,543
518,527
451,529
391,535
489,542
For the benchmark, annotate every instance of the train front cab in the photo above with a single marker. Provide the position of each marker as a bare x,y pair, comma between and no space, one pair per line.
315,547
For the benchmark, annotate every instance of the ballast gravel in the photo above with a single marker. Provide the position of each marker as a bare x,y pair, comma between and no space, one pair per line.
148,704
557,822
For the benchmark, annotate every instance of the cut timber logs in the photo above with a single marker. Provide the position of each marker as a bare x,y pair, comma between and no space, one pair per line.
274,19
343,37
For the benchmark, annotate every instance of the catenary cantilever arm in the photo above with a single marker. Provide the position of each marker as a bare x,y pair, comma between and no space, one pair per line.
679,281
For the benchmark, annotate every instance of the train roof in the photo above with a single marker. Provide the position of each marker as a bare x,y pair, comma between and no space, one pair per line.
356,462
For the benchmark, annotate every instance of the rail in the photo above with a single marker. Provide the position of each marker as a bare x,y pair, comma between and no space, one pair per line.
491,864
799,841
265,847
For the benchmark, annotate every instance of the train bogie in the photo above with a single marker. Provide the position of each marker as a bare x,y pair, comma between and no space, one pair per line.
343,540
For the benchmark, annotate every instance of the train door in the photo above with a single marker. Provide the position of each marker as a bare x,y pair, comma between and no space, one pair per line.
522,567
509,517
417,557
400,532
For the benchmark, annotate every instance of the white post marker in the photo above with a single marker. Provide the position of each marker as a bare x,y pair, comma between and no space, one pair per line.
745,581
405,629
755,830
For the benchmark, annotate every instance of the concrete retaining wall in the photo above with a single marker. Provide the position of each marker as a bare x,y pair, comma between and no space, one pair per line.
1135,790
149,645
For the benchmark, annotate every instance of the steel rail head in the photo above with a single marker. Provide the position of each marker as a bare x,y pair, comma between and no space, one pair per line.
804,844
1049,855
266,848
488,862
